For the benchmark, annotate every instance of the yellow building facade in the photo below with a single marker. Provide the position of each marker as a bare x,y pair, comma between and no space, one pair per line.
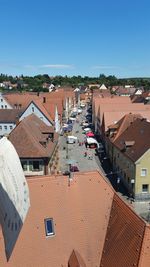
134,175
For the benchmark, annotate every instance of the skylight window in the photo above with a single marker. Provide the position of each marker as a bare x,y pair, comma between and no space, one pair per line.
49,227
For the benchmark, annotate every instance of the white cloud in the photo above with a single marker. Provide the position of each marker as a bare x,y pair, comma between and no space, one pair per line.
104,67
56,66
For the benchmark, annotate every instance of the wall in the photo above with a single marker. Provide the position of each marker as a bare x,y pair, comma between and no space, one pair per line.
143,162
33,109
125,168
4,104
28,166
4,131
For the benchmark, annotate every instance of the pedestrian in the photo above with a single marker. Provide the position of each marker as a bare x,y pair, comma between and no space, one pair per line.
85,154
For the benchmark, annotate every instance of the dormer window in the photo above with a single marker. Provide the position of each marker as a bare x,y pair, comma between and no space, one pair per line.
49,227
129,143
32,109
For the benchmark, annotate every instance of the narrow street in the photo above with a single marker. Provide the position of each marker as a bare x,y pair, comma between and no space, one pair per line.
75,153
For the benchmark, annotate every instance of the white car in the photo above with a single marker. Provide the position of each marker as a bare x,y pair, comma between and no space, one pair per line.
79,110
85,124
71,139
72,119
86,130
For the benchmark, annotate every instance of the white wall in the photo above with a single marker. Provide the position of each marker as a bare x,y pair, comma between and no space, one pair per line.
28,167
6,128
33,109
4,104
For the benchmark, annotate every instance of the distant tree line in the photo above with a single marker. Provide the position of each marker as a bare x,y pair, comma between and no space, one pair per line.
35,83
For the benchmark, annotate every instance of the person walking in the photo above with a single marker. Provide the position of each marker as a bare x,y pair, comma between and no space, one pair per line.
85,154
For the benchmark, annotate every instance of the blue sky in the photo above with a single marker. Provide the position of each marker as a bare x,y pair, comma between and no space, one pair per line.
75,37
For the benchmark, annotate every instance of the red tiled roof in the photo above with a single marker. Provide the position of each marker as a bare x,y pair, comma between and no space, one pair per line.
80,213
125,122
109,101
119,120
124,237
76,260
22,99
42,109
51,104
9,115
138,131
120,107
92,224
145,253
28,134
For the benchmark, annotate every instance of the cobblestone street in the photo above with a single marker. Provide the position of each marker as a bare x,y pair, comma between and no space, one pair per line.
76,153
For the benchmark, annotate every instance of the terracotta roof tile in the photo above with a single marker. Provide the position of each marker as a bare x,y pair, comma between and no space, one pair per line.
145,251
42,109
76,260
124,237
121,107
28,134
138,131
114,100
22,99
93,226
80,213
51,104
125,122
121,119
9,115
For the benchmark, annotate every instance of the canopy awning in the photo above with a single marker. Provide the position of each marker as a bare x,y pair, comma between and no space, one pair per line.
90,134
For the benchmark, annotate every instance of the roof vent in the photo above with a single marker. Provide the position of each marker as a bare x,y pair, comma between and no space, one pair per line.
129,143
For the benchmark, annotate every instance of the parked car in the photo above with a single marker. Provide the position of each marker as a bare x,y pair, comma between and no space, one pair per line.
70,122
72,119
87,130
74,168
71,139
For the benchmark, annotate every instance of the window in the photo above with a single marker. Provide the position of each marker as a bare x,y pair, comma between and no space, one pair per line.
2,106
5,127
32,109
5,106
143,172
1,100
24,165
10,127
0,128
35,165
49,227
145,188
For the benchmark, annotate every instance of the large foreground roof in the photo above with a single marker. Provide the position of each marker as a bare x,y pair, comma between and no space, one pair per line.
92,226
